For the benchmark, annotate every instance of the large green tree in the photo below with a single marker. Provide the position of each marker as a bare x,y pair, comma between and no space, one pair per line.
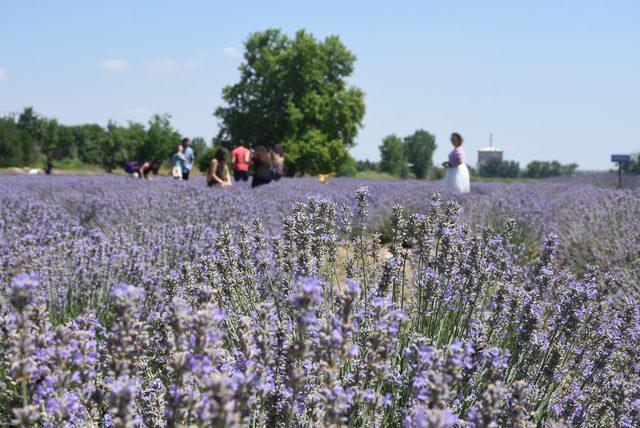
293,91
419,150
34,126
393,159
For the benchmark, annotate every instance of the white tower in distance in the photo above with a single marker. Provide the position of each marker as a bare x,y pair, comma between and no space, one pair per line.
489,152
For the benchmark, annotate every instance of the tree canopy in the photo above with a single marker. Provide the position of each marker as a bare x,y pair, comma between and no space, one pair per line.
419,150
413,154
293,92
393,158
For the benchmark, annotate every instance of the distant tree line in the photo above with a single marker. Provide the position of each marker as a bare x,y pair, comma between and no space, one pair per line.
536,169
394,151
29,139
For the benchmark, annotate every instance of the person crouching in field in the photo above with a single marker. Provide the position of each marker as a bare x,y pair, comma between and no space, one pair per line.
178,160
261,167
141,169
240,158
218,173
457,174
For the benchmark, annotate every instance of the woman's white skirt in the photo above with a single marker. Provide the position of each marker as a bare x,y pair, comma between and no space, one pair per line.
457,178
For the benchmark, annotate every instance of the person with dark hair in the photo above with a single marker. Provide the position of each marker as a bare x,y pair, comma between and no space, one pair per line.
190,158
218,173
240,158
48,166
277,162
457,174
261,167
155,166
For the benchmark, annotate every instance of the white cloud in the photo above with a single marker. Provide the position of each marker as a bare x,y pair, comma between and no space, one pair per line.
232,52
2,73
114,65
168,65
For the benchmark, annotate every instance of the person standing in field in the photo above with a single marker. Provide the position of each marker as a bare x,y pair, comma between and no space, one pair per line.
277,162
179,160
457,174
190,158
48,166
240,158
262,173
218,173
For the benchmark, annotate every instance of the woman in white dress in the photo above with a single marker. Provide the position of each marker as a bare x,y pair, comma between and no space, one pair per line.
456,176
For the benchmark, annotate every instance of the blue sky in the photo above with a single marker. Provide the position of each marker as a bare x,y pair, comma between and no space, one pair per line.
550,79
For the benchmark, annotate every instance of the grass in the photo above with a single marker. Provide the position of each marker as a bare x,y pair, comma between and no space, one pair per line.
376,175
65,167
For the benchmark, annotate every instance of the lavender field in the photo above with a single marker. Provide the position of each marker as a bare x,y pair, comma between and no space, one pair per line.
355,302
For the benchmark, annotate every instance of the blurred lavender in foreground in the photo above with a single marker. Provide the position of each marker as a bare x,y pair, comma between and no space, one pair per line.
136,314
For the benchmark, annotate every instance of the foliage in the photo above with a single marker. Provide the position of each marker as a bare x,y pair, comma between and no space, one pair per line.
419,152
119,144
89,140
400,157
293,92
544,169
16,146
309,321
312,153
203,160
159,141
393,157
438,173
73,164
634,165
366,165
32,139
199,146
348,168
495,167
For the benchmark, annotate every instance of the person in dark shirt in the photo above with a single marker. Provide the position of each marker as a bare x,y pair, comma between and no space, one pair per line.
48,166
142,168
261,167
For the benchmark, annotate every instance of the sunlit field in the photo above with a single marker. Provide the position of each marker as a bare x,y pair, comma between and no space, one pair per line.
355,302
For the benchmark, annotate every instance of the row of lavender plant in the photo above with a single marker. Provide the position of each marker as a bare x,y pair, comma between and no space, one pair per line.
319,327
119,229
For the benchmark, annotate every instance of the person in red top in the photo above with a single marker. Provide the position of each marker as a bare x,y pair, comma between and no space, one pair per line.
240,157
